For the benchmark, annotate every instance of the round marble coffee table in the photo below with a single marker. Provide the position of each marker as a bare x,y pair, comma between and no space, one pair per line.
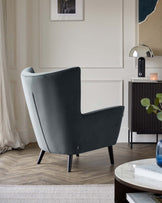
127,182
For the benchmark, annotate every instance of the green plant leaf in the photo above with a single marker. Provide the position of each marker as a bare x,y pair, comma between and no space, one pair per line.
155,111
145,102
159,95
156,107
159,116
156,101
150,109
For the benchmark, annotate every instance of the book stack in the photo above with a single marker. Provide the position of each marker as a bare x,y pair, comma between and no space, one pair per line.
152,171
143,197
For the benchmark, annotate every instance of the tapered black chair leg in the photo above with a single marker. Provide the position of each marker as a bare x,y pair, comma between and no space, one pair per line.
40,156
77,155
110,148
69,163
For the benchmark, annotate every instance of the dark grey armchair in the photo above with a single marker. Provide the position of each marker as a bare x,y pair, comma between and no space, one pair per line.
53,101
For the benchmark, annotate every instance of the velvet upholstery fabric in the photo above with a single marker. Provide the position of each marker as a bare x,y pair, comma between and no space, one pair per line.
53,101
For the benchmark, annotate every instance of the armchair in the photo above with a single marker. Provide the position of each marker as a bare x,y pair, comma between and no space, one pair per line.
53,101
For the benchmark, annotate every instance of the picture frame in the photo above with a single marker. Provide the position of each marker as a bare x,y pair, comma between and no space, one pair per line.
66,10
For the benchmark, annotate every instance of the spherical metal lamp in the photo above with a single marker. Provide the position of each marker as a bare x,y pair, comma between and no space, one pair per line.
140,52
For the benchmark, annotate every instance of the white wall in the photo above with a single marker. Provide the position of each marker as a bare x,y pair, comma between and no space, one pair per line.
99,45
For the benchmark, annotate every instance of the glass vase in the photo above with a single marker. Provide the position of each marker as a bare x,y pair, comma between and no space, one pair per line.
159,153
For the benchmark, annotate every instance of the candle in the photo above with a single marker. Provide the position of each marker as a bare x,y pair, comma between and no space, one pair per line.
153,76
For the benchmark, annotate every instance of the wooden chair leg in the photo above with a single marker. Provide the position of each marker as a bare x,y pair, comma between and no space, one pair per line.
110,148
69,163
40,156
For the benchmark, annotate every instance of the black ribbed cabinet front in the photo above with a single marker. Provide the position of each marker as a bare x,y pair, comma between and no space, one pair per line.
138,119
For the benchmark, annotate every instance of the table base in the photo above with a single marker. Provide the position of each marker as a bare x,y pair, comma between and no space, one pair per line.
121,190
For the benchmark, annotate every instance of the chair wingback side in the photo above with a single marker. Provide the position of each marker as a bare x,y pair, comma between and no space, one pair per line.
53,101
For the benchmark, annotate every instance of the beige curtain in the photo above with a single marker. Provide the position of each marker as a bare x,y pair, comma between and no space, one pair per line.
9,137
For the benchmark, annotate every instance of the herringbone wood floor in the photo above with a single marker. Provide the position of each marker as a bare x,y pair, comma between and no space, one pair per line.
19,167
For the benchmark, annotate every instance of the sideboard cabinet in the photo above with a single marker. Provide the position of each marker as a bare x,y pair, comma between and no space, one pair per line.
138,119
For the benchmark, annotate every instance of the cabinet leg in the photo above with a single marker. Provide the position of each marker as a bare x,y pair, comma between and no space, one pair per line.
130,138
157,138
131,142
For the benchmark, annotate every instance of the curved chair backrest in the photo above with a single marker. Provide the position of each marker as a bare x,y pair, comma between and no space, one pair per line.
53,101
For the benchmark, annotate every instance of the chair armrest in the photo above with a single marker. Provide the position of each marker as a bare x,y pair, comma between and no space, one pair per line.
100,128
100,118
104,111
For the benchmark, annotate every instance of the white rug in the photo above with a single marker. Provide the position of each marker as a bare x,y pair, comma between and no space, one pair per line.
57,193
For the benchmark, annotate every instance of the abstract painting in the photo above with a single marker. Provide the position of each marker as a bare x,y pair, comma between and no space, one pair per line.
66,6
150,24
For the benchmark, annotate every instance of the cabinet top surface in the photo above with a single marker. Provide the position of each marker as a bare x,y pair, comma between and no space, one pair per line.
149,81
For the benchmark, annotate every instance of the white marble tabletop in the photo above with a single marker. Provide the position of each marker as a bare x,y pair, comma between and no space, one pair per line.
125,174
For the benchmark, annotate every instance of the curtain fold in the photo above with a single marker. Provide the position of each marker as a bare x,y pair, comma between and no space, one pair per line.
9,137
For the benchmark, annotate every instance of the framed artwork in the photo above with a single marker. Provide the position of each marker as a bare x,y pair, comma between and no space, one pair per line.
150,24
66,10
